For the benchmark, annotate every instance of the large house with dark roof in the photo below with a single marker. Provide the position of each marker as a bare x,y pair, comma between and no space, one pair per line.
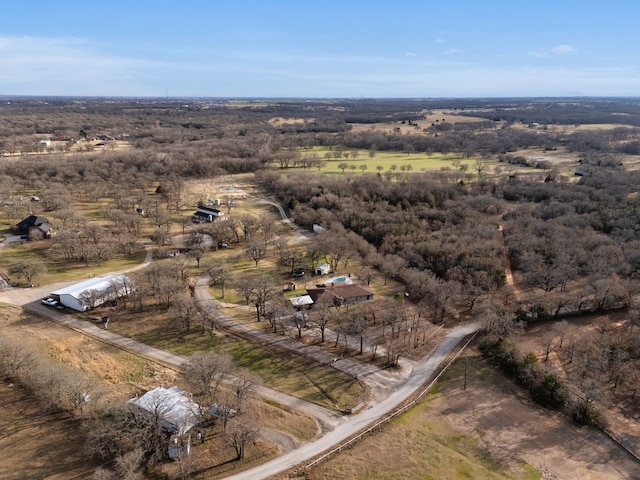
342,293
33,226
207,215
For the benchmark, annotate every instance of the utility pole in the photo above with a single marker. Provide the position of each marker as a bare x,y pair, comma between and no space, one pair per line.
465,374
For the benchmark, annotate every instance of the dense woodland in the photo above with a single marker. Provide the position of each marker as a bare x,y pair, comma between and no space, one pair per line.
446,236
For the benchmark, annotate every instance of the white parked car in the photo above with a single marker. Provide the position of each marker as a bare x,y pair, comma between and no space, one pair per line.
52,302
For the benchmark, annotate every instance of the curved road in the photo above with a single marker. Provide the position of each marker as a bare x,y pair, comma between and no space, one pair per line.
356,423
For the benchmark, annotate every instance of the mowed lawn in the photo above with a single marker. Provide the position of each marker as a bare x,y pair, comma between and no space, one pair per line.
58,269
384,161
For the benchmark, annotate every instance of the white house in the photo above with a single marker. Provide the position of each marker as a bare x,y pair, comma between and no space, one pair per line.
172,408
93,292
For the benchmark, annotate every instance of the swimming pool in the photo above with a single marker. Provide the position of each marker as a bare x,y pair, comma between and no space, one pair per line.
341,279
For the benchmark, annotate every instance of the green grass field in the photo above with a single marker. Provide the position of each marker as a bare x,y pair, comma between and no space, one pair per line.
286,372
58,269
384,161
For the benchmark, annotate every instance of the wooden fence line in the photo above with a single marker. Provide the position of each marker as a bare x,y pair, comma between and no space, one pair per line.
392,415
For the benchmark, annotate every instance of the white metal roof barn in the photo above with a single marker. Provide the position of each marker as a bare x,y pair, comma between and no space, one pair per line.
172,407
93,292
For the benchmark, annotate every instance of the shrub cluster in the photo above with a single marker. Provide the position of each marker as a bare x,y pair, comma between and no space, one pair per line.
544,386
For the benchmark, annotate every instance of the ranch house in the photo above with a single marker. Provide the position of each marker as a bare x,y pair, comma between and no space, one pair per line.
207,215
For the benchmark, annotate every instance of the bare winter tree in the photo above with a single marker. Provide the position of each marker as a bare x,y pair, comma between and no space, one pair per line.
15,360
208,316
548,338
321,313
240,435
256,250
242,385
219,275
561,329
124,429
185,309
206,371
197,243
28,269
249,225
262,288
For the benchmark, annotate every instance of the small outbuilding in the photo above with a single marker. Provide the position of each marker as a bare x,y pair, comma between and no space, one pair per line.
93,292
323,269
301,301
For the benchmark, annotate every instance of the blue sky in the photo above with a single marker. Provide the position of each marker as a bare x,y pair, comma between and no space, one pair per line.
348,48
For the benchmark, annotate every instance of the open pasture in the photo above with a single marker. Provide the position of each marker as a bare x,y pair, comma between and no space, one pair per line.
398,162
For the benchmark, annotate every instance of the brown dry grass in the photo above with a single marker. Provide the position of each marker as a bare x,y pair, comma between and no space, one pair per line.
619,411
51,446
491,430
431,117
37,444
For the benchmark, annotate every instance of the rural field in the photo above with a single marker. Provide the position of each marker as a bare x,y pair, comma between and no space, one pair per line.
53,445
488,430
298,266
476,423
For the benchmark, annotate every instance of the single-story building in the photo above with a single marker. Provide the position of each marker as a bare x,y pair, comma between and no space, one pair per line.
93,292
323,269
301,301
341,293
104,138
173,408
207,215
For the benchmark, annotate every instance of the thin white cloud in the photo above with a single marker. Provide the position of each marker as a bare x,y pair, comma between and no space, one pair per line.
452,51
60,65
539,53
72,66
557,50
438,40
563,49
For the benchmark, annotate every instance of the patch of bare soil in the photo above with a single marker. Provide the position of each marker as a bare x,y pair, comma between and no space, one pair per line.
509,426
277,121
